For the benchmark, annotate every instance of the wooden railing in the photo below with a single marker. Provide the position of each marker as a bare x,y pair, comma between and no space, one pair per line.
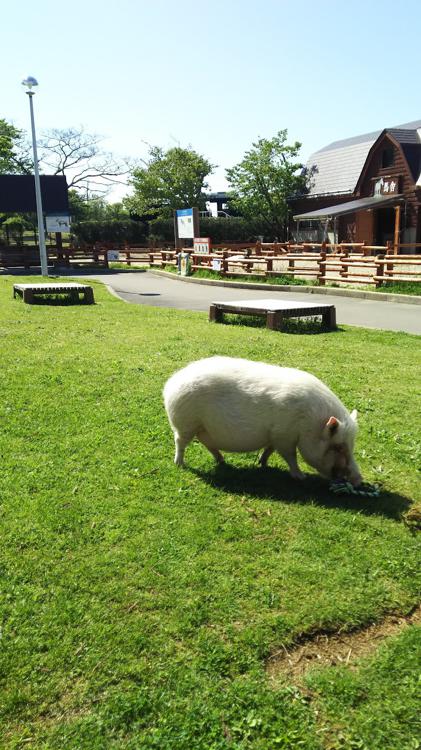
27,256
345,263
342,268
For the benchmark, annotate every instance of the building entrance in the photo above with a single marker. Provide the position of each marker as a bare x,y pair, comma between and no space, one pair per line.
384,225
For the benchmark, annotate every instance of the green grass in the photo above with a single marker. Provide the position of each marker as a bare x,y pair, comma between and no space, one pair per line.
396,287
400,287
140,602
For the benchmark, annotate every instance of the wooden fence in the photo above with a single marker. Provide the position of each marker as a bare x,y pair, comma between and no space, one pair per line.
340,264
343,268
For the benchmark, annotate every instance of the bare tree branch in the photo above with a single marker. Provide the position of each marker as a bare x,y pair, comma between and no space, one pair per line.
79,157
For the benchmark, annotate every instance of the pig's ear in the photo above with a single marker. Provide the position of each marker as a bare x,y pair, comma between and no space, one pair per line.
332,425
354,415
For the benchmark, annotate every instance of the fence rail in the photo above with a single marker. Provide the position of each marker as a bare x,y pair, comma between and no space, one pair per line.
345,263
344,268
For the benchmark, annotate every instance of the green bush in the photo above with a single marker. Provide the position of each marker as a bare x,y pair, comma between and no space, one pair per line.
117,230
219,230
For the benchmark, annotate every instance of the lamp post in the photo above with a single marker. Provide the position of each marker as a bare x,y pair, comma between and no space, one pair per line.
30,82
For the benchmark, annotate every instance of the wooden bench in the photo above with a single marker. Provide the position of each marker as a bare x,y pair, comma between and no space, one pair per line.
274,310
30,291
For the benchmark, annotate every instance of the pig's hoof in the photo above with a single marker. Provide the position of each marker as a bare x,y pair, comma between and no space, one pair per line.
297,474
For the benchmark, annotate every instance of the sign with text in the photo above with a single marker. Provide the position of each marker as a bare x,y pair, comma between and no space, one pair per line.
386,186
185,223
202,245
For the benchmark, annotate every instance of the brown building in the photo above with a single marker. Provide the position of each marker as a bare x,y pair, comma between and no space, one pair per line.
364,189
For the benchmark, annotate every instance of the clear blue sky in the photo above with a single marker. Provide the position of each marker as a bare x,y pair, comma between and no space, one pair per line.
213,76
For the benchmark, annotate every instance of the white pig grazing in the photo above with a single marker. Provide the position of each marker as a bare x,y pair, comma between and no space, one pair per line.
236,405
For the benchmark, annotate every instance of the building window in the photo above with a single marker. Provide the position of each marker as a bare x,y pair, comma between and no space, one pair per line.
387,157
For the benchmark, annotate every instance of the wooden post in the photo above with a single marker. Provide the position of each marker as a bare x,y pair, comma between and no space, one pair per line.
224,264
397,229
322,268
215,314
59,245
344,265
379,270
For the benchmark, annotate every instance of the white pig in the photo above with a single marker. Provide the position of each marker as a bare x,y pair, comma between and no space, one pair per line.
237,406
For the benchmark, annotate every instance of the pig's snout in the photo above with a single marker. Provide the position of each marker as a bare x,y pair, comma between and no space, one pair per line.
345,467
355,478
349,473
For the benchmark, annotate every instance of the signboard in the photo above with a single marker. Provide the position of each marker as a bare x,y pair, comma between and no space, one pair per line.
113,255
202,245
185,223
216,264
386,186
55,223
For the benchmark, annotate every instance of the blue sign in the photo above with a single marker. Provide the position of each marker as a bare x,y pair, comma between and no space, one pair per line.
185,224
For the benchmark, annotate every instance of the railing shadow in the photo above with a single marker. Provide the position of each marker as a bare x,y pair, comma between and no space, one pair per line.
275,485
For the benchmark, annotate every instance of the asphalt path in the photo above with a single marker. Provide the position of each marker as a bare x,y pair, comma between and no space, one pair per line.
146,288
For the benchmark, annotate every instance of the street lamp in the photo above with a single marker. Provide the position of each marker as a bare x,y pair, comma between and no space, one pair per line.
30,82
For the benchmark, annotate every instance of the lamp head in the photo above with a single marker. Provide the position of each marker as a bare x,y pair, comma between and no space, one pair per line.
30,82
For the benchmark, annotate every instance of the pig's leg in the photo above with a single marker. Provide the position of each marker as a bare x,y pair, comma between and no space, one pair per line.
291,458
263,458
206,440
181,443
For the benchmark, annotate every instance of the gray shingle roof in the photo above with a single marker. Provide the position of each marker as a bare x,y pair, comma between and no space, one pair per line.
338,165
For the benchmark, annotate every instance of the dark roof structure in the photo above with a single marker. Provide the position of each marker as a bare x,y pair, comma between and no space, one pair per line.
17,193
337,167
361,204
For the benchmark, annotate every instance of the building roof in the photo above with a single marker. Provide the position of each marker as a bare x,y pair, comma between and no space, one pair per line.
337,167
374,201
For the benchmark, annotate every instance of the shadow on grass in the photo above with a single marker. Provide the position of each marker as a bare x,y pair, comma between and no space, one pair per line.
273,484
313,325
59,301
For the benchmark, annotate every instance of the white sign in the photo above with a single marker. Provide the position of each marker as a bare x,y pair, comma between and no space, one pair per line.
216,264
201,245
387,186
57,223
113,255
185,223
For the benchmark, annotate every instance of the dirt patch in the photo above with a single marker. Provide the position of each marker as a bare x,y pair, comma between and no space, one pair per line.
333,649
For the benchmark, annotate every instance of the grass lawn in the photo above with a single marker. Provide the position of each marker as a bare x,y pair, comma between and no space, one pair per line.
141,604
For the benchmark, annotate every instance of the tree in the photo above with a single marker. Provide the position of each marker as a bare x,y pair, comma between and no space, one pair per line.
79,156
95,209
265,178
14,150
167,181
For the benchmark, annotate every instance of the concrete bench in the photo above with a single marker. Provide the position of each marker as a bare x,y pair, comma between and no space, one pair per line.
30,291
274,310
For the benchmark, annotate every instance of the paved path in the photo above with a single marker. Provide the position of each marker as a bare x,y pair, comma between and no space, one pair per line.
145,288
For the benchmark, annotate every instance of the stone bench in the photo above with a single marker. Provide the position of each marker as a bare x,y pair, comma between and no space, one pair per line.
274,310
73,290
